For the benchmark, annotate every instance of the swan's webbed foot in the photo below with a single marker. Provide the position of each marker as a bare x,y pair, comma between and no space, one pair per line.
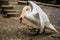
43,32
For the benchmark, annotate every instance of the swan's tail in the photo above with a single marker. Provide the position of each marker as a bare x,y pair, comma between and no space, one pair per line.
52,27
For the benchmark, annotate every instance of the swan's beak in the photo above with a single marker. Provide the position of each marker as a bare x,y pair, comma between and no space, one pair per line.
21,17
20,20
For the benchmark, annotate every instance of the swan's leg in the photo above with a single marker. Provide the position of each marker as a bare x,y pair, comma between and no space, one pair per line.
42,26
41,29
44,30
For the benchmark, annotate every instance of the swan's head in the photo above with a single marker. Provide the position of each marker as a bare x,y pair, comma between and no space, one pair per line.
25,11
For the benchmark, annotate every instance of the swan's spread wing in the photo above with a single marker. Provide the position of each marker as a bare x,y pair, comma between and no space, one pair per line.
42,14
40,11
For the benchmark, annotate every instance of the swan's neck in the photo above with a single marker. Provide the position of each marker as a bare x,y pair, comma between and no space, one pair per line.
26,9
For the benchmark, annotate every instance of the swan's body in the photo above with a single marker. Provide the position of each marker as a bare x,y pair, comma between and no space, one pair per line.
44,20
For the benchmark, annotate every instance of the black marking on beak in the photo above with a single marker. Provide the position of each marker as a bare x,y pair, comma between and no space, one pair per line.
21,20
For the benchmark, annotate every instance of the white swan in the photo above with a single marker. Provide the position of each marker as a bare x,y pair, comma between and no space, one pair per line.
44,20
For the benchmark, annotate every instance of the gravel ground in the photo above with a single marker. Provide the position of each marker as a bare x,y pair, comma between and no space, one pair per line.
11,29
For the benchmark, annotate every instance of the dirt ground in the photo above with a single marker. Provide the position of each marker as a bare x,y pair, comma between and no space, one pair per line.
11,29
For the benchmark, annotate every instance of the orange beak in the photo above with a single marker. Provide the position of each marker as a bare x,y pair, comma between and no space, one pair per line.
20,20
